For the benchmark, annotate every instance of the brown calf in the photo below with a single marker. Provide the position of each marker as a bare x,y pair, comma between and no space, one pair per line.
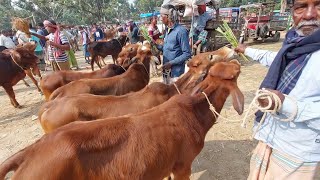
14,65
147,145
134,79
57,79
85,108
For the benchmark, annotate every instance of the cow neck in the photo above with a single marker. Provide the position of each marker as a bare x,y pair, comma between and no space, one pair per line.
146,65
16,62
183,84
122,43
217,96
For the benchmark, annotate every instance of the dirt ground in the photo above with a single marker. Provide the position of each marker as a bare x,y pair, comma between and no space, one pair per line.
227,148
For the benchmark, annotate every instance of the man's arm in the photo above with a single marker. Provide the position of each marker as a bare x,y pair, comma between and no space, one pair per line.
308,111
185,48
262,56
39,36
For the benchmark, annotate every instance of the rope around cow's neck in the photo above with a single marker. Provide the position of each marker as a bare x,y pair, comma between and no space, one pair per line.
260,94
176,88
145,68
16,62
123,68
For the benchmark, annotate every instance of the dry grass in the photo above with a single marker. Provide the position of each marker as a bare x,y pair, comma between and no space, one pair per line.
22,25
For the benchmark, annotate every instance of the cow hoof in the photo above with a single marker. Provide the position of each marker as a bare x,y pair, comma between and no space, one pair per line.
18,106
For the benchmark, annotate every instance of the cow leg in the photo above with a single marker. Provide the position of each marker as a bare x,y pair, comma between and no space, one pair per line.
29,73
93,59
9,90
99,62
114,57
25,82
102,59
182,173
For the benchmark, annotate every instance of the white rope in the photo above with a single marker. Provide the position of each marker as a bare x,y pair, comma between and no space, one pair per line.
16,62
215,113
123,68
176,88
265,94
260,94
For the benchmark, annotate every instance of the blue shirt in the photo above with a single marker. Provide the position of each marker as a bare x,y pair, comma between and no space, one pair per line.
200,21
98,34
134,35
176,49
301,137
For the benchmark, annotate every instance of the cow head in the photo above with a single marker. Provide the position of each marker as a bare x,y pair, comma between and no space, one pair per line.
127,53
143,56
222,78
24,56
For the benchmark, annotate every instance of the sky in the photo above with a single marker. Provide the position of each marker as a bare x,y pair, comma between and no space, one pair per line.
130,1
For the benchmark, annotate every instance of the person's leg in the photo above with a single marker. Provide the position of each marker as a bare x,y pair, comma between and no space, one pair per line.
64,65
259,161
284,166
54,66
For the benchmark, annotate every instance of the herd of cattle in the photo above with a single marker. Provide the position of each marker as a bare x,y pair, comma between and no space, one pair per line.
112,124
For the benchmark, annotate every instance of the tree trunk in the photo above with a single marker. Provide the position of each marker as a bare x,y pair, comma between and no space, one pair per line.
283,6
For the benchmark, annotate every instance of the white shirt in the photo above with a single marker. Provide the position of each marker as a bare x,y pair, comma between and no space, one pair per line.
7,42
301,137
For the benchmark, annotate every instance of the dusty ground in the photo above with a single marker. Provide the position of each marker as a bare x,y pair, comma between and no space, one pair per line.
227,148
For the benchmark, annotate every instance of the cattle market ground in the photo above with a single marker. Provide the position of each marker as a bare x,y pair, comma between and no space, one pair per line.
227,149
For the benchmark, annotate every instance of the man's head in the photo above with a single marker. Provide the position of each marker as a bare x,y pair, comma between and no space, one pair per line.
306,16
202,8
50,25
6,32
40,25
168,14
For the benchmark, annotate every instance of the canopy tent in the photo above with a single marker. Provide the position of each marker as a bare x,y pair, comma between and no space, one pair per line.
191,6
147,15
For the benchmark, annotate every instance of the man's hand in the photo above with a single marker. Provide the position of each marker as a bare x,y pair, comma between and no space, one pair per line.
166,66
241,48
264,102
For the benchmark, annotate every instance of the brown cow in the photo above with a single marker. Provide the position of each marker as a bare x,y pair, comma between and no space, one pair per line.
84,107
134,79
147,145
57,79
14,65
103,49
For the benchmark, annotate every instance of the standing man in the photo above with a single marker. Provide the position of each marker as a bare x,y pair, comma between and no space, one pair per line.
97,33
197,33
133,32
291,150
5,40
85,41
176,49
58,45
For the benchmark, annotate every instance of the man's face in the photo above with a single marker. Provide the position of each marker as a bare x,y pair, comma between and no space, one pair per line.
306,16
164,19
50,29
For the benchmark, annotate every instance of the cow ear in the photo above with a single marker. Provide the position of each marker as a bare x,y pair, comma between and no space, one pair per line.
237,99
214,57
15,55
224,70
235,61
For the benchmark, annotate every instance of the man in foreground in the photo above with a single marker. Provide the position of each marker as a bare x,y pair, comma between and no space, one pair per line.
291,150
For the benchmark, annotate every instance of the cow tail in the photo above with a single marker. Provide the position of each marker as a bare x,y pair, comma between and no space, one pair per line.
11,164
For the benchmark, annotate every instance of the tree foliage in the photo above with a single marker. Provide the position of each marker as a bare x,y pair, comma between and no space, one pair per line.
82,12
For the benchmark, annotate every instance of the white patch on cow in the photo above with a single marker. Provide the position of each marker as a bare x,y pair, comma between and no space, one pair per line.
144,48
